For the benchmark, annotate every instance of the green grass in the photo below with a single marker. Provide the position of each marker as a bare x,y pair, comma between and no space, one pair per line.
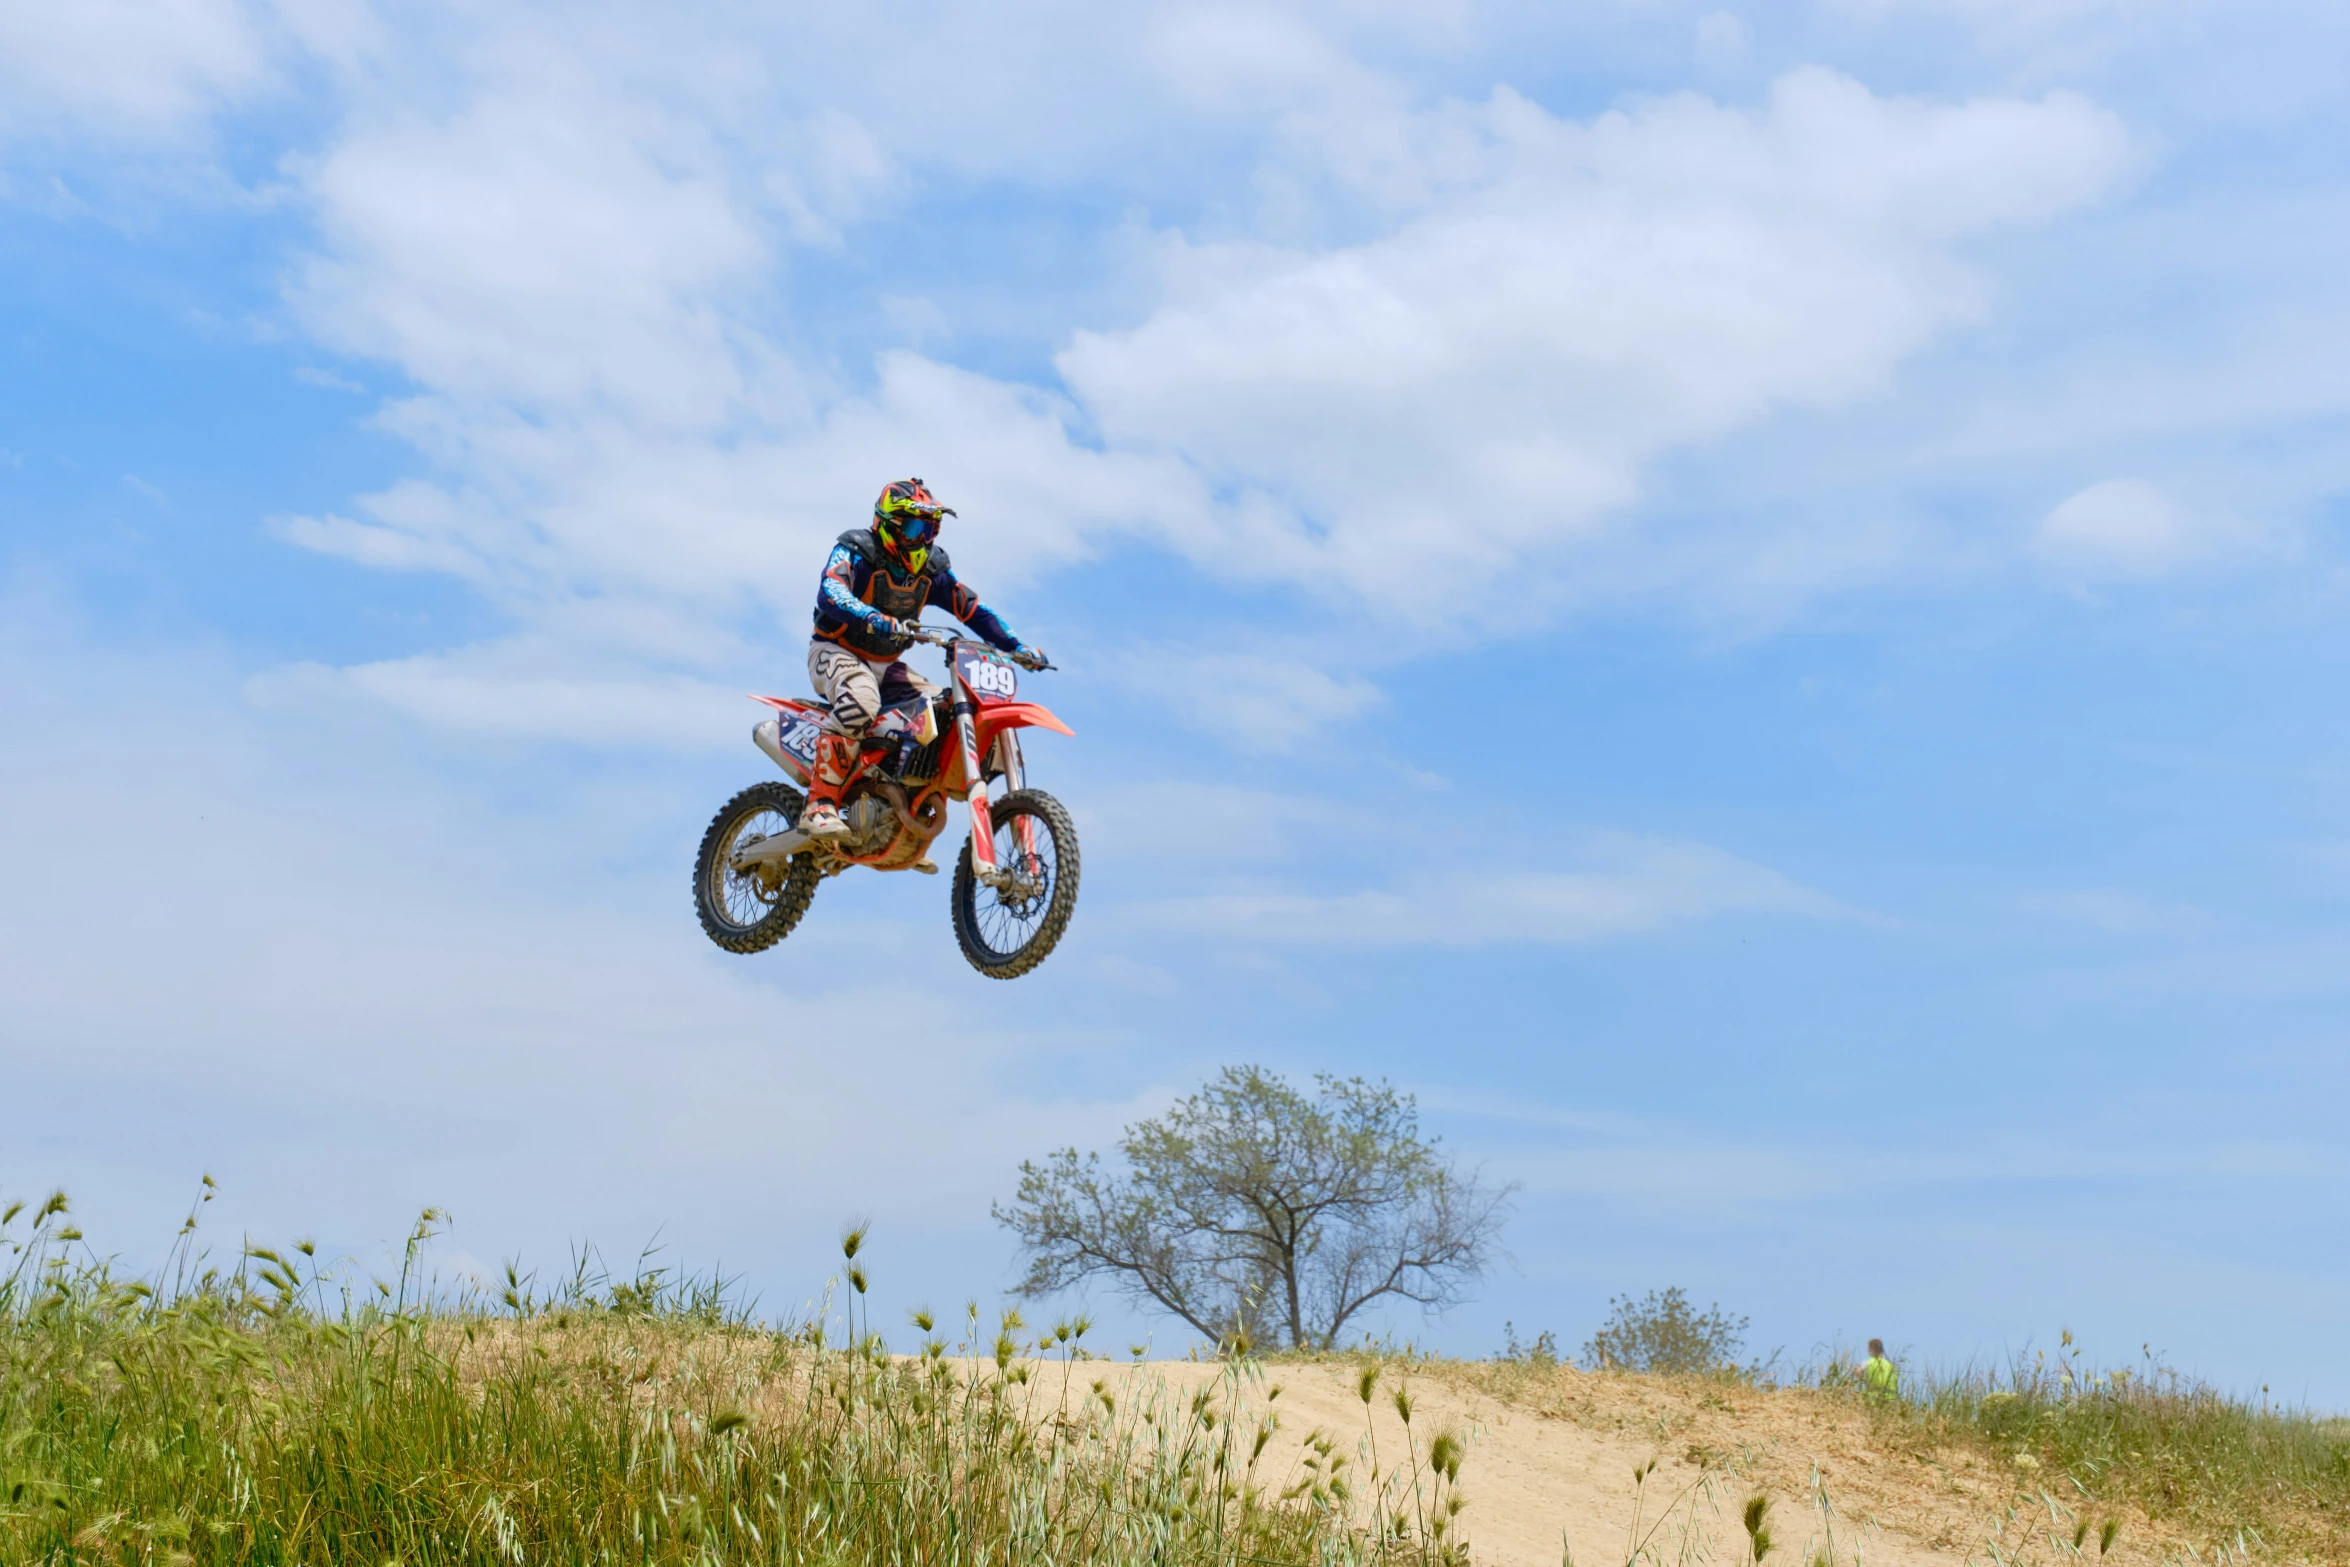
268,1414
274,1413
2252,1477
2227,1479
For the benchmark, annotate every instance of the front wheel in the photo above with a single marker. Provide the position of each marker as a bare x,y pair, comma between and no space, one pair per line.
750,911
1007,930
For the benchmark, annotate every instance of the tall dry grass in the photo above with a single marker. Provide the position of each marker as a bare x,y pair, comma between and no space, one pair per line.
2224,1478
271,1413
2249,1475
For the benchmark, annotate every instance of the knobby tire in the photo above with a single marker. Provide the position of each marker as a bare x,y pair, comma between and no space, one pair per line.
1060,899
792,897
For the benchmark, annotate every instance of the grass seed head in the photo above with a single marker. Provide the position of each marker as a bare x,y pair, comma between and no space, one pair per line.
1367,1382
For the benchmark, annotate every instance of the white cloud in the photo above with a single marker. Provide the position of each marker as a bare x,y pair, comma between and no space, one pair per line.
1245,59
2116,913
289,952
326,380
410,527
471,692
569,242
572,278
1631,887
1722,37
1666,1167
2044,12
549,247
124,70
2130,528
1473,394
2194,62
1215,824
599,526
1255,701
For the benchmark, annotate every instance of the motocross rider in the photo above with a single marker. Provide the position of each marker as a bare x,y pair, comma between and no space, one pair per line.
874,589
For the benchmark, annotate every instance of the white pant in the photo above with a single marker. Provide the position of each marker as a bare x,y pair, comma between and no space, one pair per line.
851,683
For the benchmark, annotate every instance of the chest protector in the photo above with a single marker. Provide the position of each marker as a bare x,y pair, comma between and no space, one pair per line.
888,587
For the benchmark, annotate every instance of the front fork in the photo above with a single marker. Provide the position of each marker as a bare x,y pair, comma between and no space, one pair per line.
983,862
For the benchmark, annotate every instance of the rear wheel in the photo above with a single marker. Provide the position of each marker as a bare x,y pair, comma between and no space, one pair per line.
1007,930
750,911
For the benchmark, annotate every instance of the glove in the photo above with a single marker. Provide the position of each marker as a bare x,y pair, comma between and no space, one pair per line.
1029,658
891,626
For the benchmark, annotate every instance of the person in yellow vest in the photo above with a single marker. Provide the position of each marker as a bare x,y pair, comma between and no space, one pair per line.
1879,1378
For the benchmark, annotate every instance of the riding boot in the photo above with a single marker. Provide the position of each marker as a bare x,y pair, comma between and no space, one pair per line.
835,755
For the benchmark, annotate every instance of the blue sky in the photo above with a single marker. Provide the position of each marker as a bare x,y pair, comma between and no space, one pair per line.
1747,600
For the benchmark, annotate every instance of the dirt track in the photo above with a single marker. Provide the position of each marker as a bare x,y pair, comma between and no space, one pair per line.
1554,1465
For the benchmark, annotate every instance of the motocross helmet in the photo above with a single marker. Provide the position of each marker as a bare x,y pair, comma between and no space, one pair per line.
905,519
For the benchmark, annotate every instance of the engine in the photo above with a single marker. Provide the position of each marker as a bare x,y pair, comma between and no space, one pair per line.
871,824
876,829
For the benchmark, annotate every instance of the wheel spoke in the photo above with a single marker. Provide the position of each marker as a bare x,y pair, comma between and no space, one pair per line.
749,912
740,893
1009,921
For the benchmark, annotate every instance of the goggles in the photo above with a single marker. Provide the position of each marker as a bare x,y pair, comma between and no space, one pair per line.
915,524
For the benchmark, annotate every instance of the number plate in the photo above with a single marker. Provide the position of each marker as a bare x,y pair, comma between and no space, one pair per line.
798,736
988,675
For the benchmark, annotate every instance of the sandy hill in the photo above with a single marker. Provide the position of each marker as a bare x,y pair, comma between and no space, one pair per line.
1552,1458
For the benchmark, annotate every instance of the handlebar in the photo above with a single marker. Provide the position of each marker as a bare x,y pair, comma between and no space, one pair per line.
935,636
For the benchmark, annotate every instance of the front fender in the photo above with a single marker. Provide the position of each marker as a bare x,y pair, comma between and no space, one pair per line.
997,716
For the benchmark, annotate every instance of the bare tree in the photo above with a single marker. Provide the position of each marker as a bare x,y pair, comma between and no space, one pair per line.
1259,1214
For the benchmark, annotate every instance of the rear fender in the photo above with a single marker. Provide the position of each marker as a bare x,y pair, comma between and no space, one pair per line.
787,739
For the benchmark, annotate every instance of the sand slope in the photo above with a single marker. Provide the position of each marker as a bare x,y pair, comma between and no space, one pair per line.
1552,1457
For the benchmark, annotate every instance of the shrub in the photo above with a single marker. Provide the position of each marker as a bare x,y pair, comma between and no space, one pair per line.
1660,1333
1541,1355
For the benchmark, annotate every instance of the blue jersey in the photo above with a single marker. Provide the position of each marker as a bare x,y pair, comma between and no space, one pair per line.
862,587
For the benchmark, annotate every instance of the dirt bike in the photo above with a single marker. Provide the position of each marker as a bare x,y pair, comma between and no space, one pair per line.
1015,884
